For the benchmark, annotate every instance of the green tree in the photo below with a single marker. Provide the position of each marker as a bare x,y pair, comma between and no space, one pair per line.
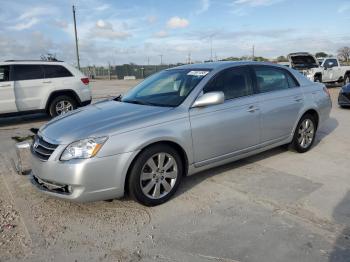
282,59
321,55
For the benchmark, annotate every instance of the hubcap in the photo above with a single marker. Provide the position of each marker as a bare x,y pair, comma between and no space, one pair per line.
347,80
158,175
63,107
306,133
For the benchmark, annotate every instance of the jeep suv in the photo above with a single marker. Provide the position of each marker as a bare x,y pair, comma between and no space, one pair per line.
53,87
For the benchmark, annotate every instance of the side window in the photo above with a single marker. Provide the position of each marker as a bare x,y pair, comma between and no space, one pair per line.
27,72
234,82
291,80
271,79
331,63
4,73
55,71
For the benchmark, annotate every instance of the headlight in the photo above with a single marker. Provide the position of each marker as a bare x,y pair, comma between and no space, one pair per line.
85,148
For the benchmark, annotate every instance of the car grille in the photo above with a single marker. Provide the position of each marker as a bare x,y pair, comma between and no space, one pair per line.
42,149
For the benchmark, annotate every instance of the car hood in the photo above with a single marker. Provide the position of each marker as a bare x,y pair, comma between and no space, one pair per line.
100,119
303,61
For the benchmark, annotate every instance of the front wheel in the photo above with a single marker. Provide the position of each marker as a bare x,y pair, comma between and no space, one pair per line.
304,134
155,175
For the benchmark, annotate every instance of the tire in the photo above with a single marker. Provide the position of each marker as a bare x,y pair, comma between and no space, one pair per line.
69,104
305,131
318,78
153,186
346,79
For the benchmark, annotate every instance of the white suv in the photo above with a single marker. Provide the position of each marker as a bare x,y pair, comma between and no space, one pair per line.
54,87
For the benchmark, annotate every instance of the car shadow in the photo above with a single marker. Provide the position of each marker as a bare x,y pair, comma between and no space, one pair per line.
23,119
328,127
193,180
341,215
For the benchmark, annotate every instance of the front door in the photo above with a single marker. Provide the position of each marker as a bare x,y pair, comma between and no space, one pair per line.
220,131
7,94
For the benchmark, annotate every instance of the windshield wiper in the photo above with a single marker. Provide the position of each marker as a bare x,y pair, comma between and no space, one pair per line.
139,102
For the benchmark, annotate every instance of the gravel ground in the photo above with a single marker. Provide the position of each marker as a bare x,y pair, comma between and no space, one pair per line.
276,206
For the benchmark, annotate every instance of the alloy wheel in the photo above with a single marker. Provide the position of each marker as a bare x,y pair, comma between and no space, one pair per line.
159,175
306,133
63,107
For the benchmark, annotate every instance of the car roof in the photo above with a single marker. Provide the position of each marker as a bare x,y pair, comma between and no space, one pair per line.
222,65
31,62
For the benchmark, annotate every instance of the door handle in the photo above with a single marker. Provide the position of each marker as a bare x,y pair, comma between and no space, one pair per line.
6,85
47,82
252,109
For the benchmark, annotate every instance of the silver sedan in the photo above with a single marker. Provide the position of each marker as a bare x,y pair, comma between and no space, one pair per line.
176,123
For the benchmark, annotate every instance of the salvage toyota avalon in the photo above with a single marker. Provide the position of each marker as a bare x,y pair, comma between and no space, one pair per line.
176,123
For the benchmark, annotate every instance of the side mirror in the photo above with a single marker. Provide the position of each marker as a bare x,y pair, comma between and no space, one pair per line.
208,99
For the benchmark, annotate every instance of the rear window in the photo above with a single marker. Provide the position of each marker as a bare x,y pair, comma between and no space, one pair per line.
55,71
27,72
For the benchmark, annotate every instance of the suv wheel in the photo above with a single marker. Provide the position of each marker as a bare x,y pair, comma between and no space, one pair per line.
61,105
304,134
155,175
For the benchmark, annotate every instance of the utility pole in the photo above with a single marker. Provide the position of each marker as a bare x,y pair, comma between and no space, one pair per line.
76,38
253,53
161,59
211,48
189,58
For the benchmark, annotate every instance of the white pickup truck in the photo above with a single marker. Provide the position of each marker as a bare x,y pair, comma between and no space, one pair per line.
327,70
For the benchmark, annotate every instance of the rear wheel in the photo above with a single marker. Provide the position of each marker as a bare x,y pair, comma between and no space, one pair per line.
304,134
346,79
61,105
155,175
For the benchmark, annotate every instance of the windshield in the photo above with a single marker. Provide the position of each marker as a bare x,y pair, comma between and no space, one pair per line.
167,88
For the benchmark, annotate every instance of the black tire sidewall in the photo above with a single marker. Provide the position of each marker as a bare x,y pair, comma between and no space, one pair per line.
52,108
134,186
295,142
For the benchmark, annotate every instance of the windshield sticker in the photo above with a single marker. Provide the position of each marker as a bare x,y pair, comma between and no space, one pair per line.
197,73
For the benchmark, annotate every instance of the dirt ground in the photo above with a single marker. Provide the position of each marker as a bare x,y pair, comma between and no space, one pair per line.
275,206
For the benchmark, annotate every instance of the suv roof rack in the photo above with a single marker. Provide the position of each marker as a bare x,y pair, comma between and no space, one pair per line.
32,60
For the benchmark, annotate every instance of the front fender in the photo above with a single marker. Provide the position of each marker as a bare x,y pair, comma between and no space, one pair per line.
176,131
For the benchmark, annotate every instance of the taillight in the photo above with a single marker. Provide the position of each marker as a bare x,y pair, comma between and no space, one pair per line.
325,89
85,80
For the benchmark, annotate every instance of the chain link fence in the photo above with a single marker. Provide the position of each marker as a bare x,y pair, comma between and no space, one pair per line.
123,71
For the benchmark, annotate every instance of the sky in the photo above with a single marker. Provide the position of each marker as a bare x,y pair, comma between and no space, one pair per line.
119,31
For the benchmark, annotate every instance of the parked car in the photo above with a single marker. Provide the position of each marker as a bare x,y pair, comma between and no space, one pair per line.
327,70
176,123
53,87
344,96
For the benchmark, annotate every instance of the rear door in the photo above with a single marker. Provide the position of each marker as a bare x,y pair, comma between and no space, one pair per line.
29,86
280,100
7,93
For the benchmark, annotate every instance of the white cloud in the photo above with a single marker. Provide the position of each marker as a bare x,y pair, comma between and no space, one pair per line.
104,29
204,6
161,34
344,8
177,22
151,19
102,7
34,12
25,25
254,3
